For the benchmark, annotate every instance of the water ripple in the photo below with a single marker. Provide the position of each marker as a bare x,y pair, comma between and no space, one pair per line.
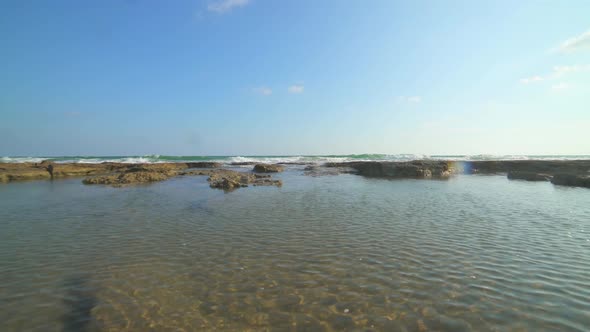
318,254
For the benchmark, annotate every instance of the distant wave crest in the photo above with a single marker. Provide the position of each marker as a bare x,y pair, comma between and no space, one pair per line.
315,159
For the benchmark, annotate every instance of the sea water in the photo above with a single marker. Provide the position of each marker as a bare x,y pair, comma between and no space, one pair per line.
327,253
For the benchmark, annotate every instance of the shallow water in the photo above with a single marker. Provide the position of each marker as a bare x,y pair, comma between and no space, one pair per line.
319,254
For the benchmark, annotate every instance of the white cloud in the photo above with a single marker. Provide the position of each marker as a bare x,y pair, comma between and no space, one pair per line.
296,88
557,72
560,86
409,99
533,79
576,43
265,91
562,70
223,6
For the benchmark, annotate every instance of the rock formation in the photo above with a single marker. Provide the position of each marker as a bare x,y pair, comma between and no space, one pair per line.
571,180
418,169
559,172
229,180
267,168
218,178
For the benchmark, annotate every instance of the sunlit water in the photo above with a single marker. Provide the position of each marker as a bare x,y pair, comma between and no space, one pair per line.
319,254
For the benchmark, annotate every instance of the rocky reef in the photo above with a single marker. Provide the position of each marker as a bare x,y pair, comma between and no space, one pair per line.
575,173
230,180
418,169
119,174
139,174
218,178
571,180
559,172
268,168
550,167
39,171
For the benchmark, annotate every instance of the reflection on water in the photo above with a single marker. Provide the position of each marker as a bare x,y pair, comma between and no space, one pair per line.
319,254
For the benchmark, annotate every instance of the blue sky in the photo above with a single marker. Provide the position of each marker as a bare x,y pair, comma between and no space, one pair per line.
259,77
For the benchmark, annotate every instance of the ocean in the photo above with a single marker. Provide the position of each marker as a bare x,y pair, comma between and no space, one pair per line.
327,253
314,159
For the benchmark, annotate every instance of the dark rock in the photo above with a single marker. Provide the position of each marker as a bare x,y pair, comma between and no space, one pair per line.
242,163
203,164
551,167
571,180
196,172
300,163
268,168
528,176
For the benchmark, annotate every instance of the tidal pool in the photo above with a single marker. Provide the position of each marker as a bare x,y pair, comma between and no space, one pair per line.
332,253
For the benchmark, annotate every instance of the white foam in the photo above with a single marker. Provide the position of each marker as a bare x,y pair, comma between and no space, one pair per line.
151,159
291,159
22,159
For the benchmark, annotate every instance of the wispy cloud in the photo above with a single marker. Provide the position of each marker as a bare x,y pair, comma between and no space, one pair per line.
556,73
533,79
576,43
263,90
224,6
560,86
296,88
409,99
562,70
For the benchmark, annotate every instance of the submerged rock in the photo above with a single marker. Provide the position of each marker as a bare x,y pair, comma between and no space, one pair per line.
131,177
287,302
342,323
316,170
268,168
528,176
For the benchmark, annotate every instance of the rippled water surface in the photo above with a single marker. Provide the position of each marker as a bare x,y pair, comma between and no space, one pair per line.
319,254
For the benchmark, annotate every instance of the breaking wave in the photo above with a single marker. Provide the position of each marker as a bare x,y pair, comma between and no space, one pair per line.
310,159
